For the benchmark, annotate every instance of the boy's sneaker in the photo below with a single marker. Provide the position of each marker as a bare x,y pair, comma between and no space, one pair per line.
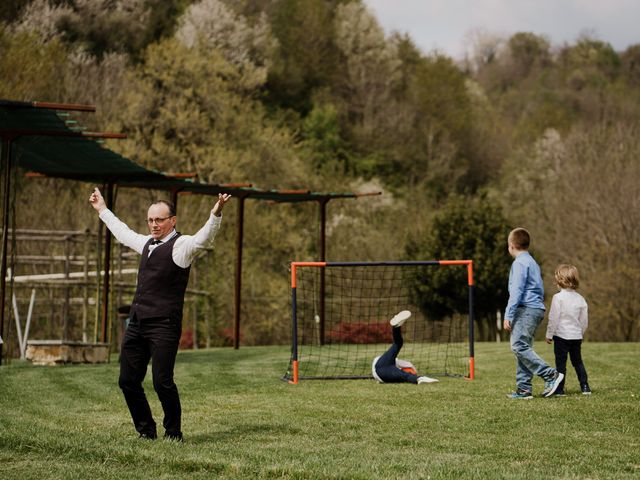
559,393
520,394
552,385
585,389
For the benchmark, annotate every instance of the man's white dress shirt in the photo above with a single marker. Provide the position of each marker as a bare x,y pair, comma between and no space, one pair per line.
185,249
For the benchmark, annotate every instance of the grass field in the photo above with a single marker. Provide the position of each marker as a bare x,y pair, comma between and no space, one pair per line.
241,421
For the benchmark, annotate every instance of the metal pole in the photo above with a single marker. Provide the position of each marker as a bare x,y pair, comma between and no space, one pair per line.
238,280
98,313
85,288
67,291
174,199
323,246
472,318
5,160
107,266
194,308
294,328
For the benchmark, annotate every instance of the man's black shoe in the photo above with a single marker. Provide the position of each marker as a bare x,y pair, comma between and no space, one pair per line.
148,436
174,438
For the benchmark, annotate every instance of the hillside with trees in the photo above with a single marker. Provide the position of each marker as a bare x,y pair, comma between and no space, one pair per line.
312,94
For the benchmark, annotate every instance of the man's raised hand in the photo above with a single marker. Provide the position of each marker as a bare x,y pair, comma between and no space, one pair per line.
222,199
96,200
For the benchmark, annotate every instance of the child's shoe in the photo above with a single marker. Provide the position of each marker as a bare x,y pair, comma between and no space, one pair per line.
552,385
585,389
399,319
520,395
424,379
559,393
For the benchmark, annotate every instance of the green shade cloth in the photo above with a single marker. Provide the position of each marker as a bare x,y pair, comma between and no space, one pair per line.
44,141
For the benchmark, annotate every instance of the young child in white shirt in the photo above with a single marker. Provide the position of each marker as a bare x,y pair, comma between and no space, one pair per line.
568,320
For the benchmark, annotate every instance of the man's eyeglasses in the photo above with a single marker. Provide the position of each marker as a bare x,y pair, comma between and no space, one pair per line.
158,221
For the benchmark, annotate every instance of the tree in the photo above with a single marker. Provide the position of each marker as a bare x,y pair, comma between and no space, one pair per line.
631,64
189,109
100,27
371,68
30,69
466,228
527,52
483,48
444,118
214,25
586,212
593,61
307,58
323,139
42,17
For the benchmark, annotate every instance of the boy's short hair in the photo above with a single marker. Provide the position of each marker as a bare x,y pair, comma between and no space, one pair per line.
520,238
567,276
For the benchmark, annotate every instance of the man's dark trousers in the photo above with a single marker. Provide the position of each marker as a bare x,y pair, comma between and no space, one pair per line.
154,339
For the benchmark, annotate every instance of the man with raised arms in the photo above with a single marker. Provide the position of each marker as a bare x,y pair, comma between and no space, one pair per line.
155,322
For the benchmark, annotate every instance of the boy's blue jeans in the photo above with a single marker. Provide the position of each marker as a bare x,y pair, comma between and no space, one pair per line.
528,363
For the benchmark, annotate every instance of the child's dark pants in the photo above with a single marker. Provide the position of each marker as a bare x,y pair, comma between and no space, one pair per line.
386,364
562,348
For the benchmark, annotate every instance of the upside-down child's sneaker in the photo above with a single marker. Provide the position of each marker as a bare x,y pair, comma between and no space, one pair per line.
521,395
585,389
399,319
552,385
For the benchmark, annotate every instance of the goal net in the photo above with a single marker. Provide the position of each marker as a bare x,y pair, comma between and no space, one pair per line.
341,313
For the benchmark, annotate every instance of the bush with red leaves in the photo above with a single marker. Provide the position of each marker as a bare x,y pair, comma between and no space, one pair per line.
360,332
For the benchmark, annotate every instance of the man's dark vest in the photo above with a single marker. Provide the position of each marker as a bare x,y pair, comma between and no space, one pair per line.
161,284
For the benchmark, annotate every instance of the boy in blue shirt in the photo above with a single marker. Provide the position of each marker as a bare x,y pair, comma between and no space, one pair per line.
524,312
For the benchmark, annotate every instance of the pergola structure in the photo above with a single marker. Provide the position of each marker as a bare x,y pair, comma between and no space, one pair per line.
42,139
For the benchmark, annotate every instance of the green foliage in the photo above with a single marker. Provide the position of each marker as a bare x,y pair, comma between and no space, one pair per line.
30,70
586,186
464,229
103,26
528,51
322,137
631,64
313,94
307,57
444,121
595,62
11,9
163,16
191,110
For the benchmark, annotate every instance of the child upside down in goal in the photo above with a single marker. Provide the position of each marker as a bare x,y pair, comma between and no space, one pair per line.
388,368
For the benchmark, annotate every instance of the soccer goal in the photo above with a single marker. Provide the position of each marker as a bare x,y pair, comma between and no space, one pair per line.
341,313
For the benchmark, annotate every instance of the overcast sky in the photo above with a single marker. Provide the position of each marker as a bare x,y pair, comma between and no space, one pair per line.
444,24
